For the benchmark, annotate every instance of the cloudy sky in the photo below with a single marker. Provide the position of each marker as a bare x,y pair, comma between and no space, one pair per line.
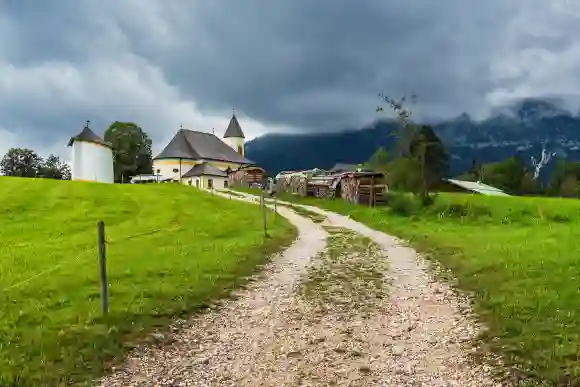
284,65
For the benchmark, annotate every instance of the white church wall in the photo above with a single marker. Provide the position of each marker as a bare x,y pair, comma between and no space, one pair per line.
92,162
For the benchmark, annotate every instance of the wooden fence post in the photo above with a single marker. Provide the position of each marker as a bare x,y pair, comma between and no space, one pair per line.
103,266
372,193
263,205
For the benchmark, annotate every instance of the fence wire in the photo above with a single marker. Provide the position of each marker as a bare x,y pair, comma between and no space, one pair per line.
78,257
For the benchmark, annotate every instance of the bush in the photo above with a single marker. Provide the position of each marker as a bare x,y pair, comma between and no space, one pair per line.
403,204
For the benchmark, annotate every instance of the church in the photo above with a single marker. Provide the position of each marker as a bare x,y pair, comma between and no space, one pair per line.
203,160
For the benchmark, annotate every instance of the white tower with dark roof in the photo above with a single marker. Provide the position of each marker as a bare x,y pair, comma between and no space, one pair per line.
234,136
92,157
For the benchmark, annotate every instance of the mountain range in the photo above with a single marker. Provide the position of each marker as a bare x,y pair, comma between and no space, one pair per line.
521,129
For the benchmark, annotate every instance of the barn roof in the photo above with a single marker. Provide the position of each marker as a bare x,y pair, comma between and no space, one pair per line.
205,169
234,129
478,187
342,167
88,135
190,144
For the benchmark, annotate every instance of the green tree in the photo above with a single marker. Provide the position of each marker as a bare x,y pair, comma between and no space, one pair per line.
506,175
378,161
131,150
569,187
21,162
403,174
562,170
529,185
427,148
54,168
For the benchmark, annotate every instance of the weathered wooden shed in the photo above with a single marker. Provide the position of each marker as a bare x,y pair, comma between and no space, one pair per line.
246,176
362,187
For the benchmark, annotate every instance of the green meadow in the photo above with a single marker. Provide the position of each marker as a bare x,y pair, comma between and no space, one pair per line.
172,250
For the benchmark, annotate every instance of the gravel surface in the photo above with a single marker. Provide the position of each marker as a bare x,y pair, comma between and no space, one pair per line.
343,306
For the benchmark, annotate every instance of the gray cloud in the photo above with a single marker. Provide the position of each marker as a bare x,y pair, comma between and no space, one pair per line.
284,65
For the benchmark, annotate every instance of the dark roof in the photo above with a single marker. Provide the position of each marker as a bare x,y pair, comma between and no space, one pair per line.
341,167
89,136
205,169
189,144
234,129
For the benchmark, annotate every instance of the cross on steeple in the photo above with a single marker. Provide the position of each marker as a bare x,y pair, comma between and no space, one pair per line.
87,123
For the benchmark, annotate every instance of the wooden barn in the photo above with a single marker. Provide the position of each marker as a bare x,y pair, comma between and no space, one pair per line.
246,176
324,186
362,187
297,183
294,183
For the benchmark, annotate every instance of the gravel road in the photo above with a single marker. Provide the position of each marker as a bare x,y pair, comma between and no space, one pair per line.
345,305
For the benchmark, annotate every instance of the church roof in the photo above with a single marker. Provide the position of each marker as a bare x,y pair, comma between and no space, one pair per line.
205,169
88,135
234,129
189,144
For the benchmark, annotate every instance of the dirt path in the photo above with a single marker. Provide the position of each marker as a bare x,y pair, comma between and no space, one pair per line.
343,306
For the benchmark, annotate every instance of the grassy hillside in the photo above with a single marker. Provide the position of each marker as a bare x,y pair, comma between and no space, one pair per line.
171,250
520,257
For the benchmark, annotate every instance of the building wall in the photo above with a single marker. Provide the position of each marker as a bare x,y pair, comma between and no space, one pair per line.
202,182
236,144
247,176
92,162
170,167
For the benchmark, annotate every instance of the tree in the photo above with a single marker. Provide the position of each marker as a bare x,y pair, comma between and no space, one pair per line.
54,168
403,174
506,175
407,128
428,149
21,162
421,145
569,187
131,150
378,161
529,185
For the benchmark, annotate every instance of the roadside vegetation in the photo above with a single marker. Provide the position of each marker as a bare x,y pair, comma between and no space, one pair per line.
171,251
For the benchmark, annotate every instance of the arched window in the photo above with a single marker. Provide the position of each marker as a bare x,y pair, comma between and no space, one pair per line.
240,150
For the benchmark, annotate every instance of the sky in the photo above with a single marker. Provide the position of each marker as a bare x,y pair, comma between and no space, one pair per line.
284,66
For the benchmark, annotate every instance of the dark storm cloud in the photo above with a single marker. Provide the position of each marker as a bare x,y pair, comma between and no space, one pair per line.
286,65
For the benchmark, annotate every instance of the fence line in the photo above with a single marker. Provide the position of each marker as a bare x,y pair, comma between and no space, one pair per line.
47,271
68,261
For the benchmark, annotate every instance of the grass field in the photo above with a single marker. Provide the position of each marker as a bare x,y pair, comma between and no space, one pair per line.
171,251
521,259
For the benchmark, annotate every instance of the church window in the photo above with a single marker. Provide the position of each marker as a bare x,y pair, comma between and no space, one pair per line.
240,150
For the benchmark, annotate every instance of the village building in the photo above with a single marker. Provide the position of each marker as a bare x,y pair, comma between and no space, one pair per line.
92,157
477,187
205,161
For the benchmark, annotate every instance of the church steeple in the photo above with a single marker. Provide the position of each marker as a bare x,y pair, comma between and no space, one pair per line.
234,129
234,136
